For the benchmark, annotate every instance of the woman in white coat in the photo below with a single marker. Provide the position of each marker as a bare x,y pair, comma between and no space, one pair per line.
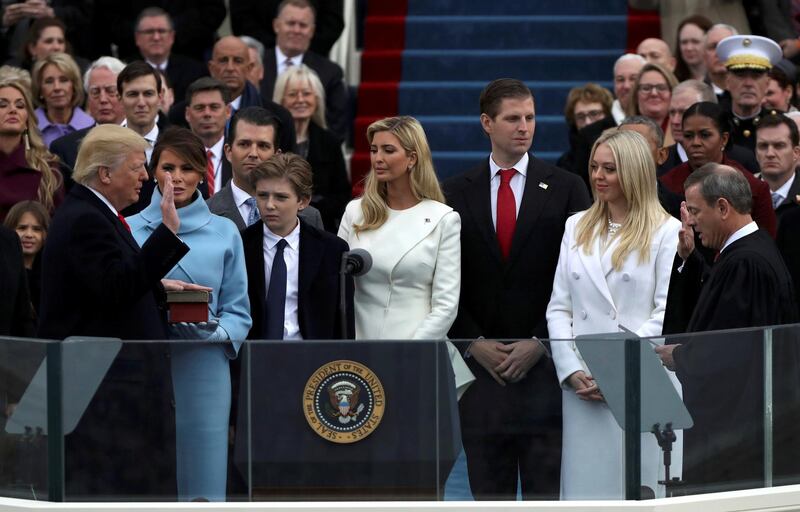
412,290
613,269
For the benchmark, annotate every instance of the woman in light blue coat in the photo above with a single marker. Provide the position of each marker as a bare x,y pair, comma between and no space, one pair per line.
200,371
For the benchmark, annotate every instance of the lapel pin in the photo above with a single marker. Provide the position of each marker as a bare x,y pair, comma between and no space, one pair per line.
543,185
427,220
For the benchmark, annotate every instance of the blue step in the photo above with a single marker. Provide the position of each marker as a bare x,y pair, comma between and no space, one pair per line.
452,163
454,133
467,65
525,7
541,32
461,98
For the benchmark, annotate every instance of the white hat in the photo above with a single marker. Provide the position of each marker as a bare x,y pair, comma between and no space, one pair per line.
749,52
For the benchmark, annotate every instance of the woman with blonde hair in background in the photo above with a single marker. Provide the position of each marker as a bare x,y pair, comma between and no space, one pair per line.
613,270
28,171
412,290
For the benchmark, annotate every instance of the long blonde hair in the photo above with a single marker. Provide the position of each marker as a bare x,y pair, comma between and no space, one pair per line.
424,183
636,173
36,153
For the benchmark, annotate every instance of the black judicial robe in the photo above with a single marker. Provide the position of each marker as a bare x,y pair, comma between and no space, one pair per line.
722,375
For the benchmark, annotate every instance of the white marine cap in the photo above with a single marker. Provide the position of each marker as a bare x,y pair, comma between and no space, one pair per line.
749,52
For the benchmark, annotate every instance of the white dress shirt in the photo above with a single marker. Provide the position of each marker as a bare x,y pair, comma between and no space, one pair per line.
682,153
240,197
617,112
742,232
281,59
105,201
151,137
216,162
517,183
161,67
291,255
783,191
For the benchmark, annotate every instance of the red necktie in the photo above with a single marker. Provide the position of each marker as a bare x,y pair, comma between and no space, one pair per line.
210,172
506,212
123,221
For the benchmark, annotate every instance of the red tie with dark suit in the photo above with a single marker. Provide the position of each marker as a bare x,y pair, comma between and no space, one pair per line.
506,212
210,172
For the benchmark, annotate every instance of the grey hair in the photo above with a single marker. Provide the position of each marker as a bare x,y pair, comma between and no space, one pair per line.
729,28
112,64
629,56
255,44
721,181
704,91
649,123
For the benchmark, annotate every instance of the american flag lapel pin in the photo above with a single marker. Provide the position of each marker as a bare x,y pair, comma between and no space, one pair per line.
427,220
543,185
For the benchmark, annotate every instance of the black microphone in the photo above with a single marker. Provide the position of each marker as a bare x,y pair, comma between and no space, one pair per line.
356,262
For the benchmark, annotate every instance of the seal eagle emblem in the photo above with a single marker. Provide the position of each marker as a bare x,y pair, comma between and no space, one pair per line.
343,401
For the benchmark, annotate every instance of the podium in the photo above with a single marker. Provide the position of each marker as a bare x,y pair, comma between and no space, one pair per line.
361,420
639,394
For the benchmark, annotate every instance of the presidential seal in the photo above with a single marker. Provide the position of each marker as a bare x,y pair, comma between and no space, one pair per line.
343,401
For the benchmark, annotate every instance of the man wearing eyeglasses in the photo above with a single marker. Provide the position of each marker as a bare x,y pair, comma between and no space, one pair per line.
103,104
154,36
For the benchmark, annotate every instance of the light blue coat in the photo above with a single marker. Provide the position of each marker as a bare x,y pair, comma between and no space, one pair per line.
200,371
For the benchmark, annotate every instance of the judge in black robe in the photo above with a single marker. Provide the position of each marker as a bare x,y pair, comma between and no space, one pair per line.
723,374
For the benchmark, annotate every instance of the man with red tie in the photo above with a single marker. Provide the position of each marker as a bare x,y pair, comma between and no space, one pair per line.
96,281
513,208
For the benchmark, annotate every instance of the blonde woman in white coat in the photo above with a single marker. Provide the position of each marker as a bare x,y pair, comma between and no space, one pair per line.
613,269
412,290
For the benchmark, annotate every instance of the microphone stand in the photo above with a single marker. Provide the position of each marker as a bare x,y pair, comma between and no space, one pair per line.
343,296
665,439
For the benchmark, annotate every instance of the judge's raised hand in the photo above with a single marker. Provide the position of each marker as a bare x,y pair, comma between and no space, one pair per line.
169,214
685,234
522,355
489,355
585,387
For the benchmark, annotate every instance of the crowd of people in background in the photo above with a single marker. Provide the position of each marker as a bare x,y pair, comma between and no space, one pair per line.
186,162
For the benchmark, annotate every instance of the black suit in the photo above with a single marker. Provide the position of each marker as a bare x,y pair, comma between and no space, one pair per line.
332,189
97,282
332,78
182,71
318,282
254,18
66,149
790,203
518,425
723,375
16,313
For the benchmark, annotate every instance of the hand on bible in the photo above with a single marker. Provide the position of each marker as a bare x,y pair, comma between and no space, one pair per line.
685,235
176,285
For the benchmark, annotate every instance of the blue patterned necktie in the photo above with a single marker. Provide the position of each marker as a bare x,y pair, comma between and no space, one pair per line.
776,200
276,296
254,215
